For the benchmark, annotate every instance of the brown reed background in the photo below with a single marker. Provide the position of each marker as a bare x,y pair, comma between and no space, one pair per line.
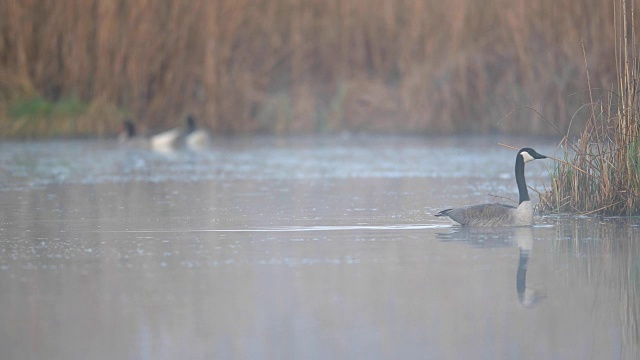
283,66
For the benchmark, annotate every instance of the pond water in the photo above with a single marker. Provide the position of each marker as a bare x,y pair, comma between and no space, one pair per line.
301,248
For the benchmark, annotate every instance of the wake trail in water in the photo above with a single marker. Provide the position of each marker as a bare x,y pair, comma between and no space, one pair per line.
293,229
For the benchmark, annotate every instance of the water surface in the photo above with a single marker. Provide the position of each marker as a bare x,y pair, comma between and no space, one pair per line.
310,247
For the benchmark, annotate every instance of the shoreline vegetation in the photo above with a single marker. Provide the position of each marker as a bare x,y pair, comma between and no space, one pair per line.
601,171
78,67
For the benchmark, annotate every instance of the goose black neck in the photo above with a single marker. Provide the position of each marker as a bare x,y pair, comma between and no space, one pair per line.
521,275
522,184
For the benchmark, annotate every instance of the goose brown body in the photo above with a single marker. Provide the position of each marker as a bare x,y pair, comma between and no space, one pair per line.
487,215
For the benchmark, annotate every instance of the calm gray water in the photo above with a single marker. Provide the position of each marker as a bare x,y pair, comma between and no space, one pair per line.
300,248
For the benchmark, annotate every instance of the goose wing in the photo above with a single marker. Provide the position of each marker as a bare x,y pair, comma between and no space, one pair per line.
481,215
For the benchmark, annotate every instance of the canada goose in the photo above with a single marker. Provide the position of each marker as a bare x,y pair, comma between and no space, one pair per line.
129,136
500,214
128,132
197,139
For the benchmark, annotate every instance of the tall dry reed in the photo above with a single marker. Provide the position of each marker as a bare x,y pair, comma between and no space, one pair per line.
309,65
601,172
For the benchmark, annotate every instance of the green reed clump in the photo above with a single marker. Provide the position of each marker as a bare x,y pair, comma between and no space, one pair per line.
36,116
39,107
601,171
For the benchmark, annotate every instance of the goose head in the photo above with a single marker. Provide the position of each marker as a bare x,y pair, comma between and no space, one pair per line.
529,154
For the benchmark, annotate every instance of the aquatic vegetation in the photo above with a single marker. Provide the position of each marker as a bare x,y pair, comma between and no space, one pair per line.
292,66
35,116
601,169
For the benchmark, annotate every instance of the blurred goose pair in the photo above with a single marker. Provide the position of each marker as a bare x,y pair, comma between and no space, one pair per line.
192,137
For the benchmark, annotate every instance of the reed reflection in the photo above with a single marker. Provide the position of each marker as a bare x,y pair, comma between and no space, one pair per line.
603,254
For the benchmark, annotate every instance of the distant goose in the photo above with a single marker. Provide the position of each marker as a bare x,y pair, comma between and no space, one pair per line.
129,136
197,139
499,214
128,132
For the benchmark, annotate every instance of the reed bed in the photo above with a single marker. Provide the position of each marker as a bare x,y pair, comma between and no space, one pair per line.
600,171
306,65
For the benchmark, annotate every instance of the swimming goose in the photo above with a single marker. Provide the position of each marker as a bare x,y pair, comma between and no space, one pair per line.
500,214
129,136
197,139
129,131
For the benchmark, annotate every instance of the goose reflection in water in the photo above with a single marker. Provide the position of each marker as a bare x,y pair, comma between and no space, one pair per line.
528,297
500,238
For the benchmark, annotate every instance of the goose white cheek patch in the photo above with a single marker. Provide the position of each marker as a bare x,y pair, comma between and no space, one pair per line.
526,156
